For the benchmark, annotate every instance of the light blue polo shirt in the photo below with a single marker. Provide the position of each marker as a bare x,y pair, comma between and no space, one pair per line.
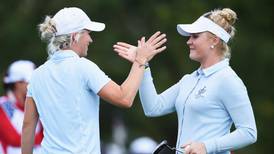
207,103
65,91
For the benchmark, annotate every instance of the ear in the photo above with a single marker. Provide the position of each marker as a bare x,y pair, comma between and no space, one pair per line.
215,40
73,36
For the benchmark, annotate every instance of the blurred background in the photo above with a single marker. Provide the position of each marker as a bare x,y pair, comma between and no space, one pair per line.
128,20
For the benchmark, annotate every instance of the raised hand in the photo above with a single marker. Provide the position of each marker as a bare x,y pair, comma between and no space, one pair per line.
152,46
128,51
125,50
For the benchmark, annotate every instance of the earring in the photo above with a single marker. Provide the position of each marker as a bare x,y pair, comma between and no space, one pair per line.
212,47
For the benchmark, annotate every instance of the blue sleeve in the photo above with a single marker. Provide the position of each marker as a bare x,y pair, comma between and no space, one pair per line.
235,98
154,104
95,78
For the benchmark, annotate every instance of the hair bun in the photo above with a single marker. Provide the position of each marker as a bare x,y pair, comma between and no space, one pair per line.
47,29
229,15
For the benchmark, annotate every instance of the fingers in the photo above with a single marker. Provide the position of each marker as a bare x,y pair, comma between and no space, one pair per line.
160,43
156,51
123,44
143,41
139,43
146,49
125,56
153,36
158,39
160,49
186,144
120,49
194,148
187,148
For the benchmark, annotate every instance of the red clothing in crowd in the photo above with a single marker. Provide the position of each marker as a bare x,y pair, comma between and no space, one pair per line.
11,117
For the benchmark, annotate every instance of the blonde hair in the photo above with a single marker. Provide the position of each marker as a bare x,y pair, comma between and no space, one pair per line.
226,19
48,31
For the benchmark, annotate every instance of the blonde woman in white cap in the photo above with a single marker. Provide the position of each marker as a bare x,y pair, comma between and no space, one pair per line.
12,107
209,100
64,92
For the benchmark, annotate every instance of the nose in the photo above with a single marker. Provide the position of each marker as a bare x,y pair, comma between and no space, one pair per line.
90,39
189,41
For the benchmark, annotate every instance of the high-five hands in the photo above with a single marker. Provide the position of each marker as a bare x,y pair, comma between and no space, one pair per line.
125,51
145,51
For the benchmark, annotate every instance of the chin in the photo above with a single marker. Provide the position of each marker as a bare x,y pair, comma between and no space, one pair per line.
84,54
194,58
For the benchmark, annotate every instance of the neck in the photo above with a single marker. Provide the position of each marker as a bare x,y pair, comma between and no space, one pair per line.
210,61
19,97
72,49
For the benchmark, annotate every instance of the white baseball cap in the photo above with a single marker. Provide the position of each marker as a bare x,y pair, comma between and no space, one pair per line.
201,25
73,19
20,70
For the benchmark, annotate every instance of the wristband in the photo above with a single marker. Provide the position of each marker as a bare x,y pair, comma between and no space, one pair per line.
142,64
146,65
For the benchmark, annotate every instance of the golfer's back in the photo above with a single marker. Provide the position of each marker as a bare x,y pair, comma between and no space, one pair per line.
65,92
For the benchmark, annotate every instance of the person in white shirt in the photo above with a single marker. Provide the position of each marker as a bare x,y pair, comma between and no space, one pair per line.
64,92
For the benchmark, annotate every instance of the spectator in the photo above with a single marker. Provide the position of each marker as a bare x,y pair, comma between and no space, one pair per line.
12,107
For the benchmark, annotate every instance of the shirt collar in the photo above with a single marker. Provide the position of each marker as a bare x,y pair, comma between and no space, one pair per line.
214,68
61,54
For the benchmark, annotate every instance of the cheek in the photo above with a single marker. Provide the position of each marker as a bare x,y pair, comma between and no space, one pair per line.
200,48
196,53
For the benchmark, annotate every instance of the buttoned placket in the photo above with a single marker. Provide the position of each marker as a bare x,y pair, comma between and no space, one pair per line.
186,101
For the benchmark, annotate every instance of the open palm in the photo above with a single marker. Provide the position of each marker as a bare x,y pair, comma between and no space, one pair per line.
125,50
152,46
